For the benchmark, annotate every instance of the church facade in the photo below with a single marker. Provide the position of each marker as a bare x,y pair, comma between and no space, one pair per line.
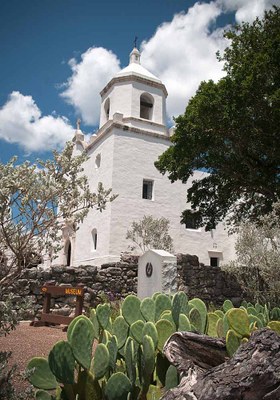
131,136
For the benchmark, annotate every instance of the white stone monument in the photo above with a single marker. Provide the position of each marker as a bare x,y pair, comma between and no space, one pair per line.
157,272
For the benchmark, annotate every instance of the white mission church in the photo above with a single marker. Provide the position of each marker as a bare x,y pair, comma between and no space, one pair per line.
131,136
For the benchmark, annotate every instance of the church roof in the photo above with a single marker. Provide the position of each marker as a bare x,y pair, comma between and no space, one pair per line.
138,70
135,71
135,68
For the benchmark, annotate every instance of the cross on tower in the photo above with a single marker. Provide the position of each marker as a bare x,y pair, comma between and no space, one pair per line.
135,41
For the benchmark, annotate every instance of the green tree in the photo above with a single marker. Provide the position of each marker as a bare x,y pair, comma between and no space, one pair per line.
36,200
150,233
258,258
231,130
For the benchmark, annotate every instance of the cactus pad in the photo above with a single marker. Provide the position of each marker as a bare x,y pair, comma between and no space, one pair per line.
165,329
184,323
42,395
62,362
148,309
42,377
81,342
120,330
232,342
151,330
162,303
100,361
201,307
103,313
136,330
118,387
239,321
131,309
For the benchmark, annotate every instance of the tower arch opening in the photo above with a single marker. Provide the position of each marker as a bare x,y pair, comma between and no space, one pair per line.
146,106
107,109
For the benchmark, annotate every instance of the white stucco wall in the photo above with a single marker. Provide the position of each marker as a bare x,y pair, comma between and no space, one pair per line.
84,252
134,157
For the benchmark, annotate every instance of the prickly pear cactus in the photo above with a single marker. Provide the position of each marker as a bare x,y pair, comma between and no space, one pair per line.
118,387
195,320
42,377
131,309
103,313
162,303
81,343
42,395
239,321
100,361
211,326
113,352
148,362
148,309
130,360
201,307
165,330
120,330
232,342
151,330
184,323
179,306
275,326
62,362
136,331
227,305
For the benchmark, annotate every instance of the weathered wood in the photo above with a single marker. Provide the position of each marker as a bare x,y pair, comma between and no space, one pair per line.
253,373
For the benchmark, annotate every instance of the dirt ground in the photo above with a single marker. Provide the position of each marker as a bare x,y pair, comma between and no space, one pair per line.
26,342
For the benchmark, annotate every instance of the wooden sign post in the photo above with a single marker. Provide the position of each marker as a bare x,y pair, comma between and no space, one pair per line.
51,290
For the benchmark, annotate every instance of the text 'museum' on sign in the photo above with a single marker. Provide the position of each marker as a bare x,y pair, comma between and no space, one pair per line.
63,291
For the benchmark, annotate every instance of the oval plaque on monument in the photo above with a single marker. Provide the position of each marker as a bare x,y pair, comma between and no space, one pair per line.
149,269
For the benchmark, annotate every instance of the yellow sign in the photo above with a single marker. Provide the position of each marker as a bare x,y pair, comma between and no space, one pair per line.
74,292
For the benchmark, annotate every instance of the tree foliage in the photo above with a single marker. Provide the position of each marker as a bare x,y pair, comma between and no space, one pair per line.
231,130
150,233
36,200
258,258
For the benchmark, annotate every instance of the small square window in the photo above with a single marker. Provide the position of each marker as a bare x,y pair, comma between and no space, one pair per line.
147,192
191,222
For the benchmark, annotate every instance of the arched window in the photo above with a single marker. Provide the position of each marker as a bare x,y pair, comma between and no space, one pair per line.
146,106
107,109
68,253
97,161
94,239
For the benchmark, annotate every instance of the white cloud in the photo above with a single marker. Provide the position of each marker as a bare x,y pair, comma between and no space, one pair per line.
247,11
21,122
89,76
182,53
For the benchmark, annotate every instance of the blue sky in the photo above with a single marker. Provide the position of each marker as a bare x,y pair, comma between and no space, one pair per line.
56,55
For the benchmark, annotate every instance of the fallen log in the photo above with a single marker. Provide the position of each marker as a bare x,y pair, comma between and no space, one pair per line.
206,372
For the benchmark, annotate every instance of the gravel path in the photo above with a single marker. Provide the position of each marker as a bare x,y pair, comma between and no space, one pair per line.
26,342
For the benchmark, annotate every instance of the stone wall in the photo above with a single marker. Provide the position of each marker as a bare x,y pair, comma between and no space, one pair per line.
210,284
114,281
